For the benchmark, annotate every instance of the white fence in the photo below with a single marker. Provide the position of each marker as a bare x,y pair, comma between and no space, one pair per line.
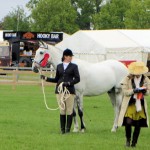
23,76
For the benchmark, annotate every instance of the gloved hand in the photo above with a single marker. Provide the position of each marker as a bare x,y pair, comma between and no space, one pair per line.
66,83
42,77
143,91
136,90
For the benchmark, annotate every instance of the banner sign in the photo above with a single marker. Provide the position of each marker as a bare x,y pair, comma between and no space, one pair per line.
45,36
8,35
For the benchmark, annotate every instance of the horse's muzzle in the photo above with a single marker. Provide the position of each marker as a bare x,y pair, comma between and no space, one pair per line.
35,69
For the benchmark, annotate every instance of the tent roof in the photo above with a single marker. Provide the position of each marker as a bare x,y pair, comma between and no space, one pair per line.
80,42
65,35
141,37
98,41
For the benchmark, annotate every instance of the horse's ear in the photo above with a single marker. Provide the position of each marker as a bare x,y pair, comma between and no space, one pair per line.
41,43
45,45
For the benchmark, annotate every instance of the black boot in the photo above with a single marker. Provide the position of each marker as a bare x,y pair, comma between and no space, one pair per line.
128,135
133,144
69,123
135,136
62,123
128,142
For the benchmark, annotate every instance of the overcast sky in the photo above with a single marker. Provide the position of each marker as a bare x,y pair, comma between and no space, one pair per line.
7,6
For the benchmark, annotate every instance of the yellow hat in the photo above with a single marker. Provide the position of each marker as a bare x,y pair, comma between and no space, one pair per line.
137,68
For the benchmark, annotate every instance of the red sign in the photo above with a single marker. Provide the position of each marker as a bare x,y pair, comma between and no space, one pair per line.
127,62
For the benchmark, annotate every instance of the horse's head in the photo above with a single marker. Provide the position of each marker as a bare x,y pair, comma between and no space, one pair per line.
41,59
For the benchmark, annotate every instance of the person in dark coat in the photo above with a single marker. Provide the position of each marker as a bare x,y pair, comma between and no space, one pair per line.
66,72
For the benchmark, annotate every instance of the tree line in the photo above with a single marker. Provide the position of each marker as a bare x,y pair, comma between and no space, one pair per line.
72,15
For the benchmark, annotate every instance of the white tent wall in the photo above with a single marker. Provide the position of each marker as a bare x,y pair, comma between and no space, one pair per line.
124,56
1,36
143,38
127,54
93,58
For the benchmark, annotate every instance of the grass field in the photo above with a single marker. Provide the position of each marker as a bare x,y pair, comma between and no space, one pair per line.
25,124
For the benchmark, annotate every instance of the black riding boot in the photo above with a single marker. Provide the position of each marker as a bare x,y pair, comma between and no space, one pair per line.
69,123
62,123
128,135
135,136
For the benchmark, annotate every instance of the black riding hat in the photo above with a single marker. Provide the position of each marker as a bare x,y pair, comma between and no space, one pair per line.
67,52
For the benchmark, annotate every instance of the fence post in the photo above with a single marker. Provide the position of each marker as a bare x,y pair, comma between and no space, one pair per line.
15,78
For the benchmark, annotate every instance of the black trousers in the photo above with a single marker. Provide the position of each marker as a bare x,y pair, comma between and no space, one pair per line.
128,130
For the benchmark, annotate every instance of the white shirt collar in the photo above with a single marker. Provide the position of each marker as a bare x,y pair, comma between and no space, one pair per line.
65,64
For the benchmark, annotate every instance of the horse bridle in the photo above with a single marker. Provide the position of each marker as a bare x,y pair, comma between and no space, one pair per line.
39,63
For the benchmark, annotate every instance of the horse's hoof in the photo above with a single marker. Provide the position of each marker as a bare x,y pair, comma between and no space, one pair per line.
82,130
75,130
113,130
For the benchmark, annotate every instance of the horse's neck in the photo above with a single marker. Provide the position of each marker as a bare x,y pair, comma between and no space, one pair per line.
55,55
81,63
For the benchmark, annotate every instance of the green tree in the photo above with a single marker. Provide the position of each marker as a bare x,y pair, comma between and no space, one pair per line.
32,4
138,15
85,10
112,15
54,15
16,20
1,25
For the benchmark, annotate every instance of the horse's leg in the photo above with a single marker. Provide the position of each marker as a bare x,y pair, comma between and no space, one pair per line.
76,125
115,95
119,96
112,95
80,110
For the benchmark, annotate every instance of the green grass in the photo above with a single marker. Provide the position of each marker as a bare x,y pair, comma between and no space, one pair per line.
25,124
